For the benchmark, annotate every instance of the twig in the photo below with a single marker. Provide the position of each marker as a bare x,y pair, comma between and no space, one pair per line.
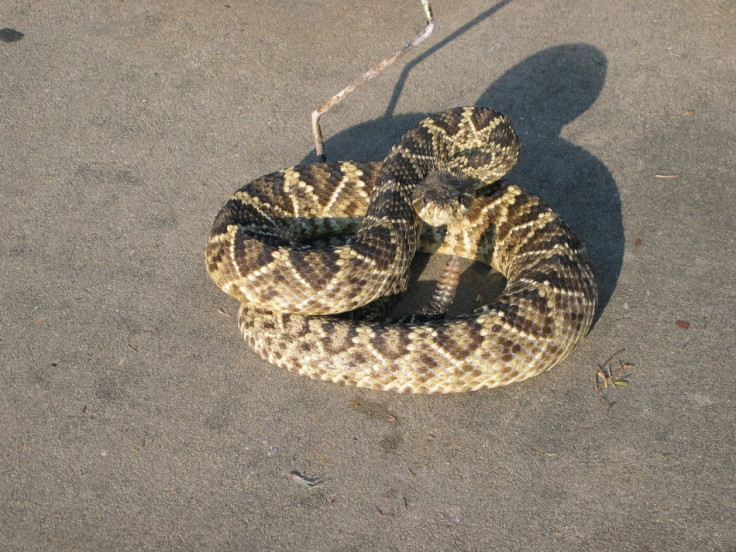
319,145
606,376
610,358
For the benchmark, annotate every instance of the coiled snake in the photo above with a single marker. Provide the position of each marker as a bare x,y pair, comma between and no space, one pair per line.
278,246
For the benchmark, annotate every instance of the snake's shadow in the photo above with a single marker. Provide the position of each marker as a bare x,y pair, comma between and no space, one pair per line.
540,95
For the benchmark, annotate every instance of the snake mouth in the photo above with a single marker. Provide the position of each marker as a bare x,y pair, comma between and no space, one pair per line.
441,215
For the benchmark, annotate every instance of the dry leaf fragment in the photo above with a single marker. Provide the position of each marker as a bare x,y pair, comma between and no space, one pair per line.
305,482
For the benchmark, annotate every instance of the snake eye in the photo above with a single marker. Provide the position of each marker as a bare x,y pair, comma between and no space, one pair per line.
465,199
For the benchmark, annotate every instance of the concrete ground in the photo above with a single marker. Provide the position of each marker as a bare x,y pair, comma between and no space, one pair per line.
134,417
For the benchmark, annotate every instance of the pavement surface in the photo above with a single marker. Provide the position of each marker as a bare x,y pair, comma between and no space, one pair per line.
134,417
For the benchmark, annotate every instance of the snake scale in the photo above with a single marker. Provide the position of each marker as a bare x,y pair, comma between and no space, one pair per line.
299,245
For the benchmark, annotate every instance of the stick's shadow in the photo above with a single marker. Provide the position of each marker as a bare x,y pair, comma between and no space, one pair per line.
540,95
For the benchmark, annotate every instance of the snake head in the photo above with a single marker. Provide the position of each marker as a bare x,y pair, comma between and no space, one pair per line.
442,197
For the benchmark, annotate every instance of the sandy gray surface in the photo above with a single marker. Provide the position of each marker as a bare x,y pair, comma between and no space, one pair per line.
132,415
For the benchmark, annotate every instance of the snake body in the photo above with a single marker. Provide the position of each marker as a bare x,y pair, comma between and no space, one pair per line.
278,246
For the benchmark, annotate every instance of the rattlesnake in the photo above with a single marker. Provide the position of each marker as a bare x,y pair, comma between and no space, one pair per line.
276,247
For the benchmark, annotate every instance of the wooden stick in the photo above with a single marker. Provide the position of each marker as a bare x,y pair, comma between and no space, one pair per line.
319,146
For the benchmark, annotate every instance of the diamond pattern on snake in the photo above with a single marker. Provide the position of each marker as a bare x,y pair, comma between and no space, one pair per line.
301,245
